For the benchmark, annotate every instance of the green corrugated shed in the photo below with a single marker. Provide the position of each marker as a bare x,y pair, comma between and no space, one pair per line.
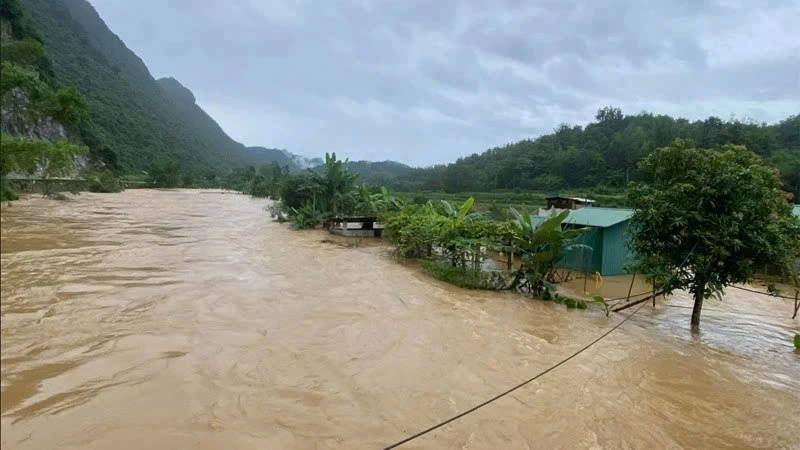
607,238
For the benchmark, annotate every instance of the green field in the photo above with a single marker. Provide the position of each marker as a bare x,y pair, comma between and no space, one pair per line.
498,202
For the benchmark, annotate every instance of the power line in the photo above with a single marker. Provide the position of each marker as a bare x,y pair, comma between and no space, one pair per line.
763,293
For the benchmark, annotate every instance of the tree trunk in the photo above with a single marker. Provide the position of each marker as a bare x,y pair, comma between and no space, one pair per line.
699,292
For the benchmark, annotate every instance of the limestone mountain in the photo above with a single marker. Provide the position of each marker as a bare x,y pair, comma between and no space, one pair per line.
141,119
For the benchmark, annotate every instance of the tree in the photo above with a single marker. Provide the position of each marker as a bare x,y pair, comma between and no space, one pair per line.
705,219
46,158
334,183
296,191
70,107
165,173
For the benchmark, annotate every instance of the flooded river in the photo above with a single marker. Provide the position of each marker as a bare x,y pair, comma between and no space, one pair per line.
187,319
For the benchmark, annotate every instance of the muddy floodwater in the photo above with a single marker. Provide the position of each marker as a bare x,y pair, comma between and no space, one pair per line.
187,319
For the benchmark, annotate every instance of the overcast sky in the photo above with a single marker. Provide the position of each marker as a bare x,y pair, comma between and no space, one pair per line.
427,81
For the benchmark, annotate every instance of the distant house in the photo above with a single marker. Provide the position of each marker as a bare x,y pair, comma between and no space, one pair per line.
557,204
607,238
561,202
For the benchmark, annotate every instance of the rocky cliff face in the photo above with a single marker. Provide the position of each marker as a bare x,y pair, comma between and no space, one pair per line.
16,120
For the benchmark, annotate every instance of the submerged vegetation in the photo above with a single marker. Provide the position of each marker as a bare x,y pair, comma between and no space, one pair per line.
704,219
466,279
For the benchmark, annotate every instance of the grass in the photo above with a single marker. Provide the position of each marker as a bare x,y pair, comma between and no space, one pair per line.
468,279
569,302
456,276
498,202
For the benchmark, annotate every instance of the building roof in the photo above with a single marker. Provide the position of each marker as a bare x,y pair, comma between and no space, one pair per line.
598,217
796,210
538,220
577,199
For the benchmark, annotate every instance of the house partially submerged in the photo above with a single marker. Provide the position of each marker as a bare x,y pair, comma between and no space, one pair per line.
356,226
607,238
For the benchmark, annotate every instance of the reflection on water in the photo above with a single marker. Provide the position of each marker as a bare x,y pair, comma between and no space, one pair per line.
178,319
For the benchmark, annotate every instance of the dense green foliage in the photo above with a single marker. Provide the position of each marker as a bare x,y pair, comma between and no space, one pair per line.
33,100
457,276
334,184
379,172
461,239
329,191
40,99
266,181
543,247
28,156
603,153
706,219
31,157
101,180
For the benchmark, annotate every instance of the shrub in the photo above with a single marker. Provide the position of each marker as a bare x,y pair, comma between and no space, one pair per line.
102,180
466,279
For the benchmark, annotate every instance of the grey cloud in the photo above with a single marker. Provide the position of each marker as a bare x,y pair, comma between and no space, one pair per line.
425,82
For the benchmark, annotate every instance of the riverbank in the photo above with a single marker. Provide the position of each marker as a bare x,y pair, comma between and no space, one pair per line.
168,319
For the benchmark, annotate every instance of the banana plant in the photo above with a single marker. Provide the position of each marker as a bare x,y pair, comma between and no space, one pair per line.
334,183
377,203
307,216
542,246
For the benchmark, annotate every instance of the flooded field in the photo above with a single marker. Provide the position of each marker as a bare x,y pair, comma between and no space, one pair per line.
187,319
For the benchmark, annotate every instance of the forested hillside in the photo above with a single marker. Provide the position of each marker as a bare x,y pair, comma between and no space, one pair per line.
379,172
604,153
141,120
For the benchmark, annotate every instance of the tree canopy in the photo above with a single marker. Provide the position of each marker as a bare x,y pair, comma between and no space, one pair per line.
603,153
705,219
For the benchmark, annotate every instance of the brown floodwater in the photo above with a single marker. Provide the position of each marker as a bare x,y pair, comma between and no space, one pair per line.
187,319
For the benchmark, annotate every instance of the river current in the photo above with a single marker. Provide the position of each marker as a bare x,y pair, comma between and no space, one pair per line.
188,319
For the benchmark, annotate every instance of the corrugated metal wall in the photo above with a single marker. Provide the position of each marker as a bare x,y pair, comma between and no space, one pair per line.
584,260
616,252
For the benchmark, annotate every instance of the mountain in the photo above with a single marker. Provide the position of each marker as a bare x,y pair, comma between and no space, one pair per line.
281,157
379,172
142,119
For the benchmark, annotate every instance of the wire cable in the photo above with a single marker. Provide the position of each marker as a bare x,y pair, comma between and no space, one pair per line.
503,394
762,293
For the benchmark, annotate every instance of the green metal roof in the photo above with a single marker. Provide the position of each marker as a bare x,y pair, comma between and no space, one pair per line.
796,210
598,217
